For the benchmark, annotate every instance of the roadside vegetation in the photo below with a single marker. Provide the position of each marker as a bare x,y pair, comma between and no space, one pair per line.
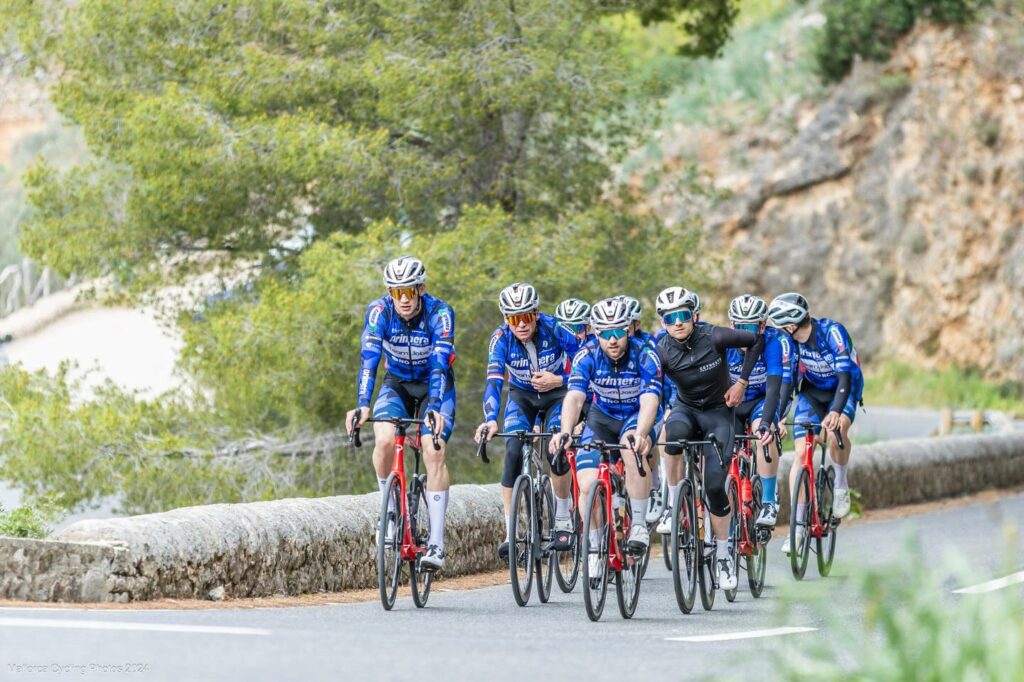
902,384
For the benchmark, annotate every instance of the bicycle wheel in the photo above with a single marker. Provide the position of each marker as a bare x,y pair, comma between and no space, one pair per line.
685,548
666,551
567,562
827,544
544,563
798,554
595,583
389,551
706,575
735,531
627,580
520,551
419,581
646,558
757,563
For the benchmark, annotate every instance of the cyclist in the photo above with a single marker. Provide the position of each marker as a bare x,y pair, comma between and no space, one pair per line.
573,315
831,386
768,392
534,350
415,332
694,357
625,376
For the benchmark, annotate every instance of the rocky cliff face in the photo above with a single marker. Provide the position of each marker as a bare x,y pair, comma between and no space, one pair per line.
897,207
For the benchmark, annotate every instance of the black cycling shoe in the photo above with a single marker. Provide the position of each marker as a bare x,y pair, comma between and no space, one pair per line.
503,551
561,541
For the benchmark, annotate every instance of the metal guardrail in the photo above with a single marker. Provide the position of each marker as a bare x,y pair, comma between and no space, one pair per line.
22,284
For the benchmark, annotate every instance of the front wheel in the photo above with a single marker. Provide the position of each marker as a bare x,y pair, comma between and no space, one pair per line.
390,527
800,552
627,580
567,562
827,543
520,551
544,563
685,548
419,581
595,554
757,563
735,531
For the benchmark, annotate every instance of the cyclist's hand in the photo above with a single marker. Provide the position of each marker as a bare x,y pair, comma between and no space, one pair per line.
831,421
764,436
438,423
545,381
486,430
642,445
356,418
560,440
578,431
781,428
734,396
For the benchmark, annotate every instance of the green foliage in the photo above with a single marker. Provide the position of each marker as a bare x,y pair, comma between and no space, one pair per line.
28,521
706,23
898,383
220,129
914,628
869,29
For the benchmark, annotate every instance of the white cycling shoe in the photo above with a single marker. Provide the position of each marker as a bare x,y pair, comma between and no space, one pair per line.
665,523
801,534
841,502
727,579
639,538
433,560
656,505
768,516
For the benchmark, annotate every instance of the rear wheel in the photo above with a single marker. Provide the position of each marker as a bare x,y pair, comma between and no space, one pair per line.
389,551
544,565
520,551
567,562
799,552
735,531
827,544
666,551
757,563
420,581
627,580
595,583
685,548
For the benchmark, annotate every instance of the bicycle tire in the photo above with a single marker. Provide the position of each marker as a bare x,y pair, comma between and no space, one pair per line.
826,546
419,581
736,518
389,553
521,537
629,577
706,575
685,548
595,587
757,563
798,556
544,562
567,562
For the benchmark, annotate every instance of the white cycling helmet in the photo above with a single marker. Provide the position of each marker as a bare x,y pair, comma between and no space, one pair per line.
518,298
404,271
633,307
573,311
609,313
748,308
787,309
674,298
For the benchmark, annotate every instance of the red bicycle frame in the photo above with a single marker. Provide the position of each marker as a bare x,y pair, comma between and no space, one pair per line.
746,493
816,529
604,478
410,550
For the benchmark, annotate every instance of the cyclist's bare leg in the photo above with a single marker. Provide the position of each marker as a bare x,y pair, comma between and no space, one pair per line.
841,456
383,448
765,468
586,479
437,468
637,486
798,458
674,465
560,485
720,524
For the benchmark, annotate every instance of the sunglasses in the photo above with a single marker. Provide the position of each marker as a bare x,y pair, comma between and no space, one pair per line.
409,293
675,317
520,319
749,327
609,334
575,329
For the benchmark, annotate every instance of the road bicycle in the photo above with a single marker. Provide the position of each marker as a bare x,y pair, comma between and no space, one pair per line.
818,523
403,526
747,540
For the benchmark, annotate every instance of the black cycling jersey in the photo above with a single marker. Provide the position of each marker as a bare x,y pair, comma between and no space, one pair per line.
699,367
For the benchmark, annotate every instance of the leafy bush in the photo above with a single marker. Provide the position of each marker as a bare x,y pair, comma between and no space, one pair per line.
27,521
899,383
869,29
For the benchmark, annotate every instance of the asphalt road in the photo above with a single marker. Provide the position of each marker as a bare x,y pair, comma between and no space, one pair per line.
481,634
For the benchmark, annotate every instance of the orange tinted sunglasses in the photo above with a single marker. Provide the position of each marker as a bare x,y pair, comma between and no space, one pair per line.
408,292
520,318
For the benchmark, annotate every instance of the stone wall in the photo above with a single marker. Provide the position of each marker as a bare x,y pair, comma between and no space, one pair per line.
300,546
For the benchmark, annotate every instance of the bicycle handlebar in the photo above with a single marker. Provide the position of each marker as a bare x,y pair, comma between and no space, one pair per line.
810,426
481,449
712,441
353,433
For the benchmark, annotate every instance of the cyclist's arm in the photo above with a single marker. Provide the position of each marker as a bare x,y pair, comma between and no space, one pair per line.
774,361
571,345
737,338
442,355
371,345
650,394
579,382
842,392
496,354
838,341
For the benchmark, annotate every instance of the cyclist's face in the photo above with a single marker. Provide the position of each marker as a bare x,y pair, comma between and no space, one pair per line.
680,330
799,334
407,300
614,348
523,326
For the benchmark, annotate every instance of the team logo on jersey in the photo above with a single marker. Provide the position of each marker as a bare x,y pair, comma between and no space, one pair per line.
374,315
446,323
837,339
580,354
494,342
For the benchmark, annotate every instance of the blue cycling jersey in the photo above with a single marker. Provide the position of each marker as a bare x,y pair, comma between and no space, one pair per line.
777,360
828,351
420,350
553,347
617,384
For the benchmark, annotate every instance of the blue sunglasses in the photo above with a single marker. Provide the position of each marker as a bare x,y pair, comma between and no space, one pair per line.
609,334
754,327
684,315
573,328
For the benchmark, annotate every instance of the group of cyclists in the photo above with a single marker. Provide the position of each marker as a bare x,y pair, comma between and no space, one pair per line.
594,371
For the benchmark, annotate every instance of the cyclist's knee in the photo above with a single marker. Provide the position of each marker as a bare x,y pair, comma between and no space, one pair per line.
513,462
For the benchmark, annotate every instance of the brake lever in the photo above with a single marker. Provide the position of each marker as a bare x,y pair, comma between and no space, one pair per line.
481,450
718,449
639,459
432,423
353,435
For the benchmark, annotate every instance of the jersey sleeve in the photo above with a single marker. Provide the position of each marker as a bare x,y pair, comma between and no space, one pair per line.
582,371
650,373
787,356
442,354
371,345
773,356
497,351
838,341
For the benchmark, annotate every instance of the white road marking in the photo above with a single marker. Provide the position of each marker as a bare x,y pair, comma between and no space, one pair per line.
123,625
993,585
750,634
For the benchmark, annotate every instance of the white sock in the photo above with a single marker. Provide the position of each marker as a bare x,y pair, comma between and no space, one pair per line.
656,478
722,548
801,513
639,509
595,537
840,475
673,493
561,507
508,528
437,505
